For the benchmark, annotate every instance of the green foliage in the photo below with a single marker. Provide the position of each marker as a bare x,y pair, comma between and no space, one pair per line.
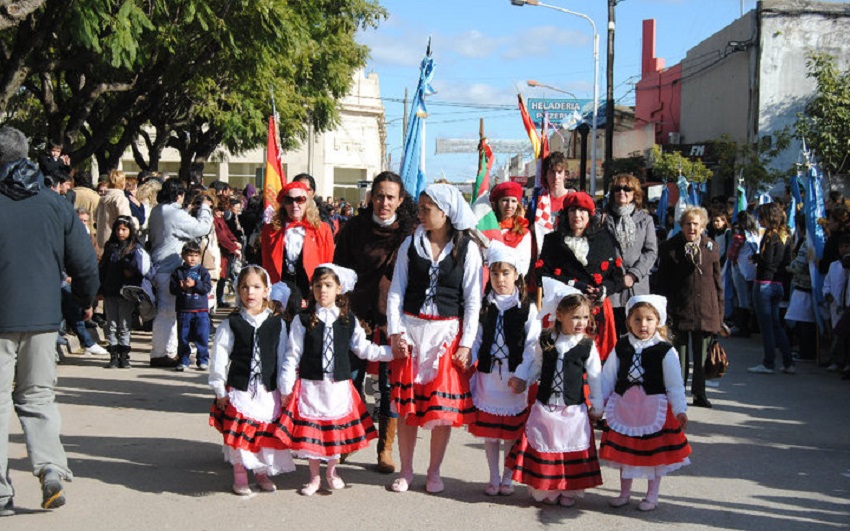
93,73
750,162
634,164
669,165
825,124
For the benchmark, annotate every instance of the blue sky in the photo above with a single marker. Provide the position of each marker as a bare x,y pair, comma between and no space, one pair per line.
485,49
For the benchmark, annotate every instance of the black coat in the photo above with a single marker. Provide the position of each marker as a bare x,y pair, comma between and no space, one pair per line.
604,265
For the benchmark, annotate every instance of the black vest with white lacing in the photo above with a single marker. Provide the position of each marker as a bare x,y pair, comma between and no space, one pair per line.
441,283
319,358
569,381
254,352
505,330
650,370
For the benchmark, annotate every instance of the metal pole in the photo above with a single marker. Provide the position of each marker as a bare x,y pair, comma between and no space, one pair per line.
595,111
404,120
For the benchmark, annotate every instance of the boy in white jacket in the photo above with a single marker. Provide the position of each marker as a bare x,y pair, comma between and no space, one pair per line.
836,291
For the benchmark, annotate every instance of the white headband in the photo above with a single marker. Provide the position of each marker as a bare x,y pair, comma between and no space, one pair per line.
553,292
347,277
656,301
449,199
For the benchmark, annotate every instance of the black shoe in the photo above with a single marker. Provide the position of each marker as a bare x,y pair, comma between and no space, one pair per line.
165,362
701,401
52,493
124,357
113,357
8,508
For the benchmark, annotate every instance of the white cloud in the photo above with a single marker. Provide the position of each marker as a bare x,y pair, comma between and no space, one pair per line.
542,41
472,93
473,44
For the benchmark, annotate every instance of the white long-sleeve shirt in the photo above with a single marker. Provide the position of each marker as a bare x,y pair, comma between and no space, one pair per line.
531,328
359,345
472,265
223,346
670,365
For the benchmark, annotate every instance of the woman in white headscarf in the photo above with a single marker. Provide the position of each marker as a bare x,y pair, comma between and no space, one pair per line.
432,309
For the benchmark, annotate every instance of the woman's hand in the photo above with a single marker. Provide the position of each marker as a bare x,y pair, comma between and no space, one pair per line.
221,403
517,385
629,280
284,399
399,345
462,357
683,420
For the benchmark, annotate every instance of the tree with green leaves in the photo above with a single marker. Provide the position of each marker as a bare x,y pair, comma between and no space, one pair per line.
825,124
668,165
198,73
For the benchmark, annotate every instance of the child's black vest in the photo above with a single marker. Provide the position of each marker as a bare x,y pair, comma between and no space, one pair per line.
268,335
651,360
572,390
449,297
312,358
513,324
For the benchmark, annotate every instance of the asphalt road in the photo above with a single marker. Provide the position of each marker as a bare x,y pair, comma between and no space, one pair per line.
773,455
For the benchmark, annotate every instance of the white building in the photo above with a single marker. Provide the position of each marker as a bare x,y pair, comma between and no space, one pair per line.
338,159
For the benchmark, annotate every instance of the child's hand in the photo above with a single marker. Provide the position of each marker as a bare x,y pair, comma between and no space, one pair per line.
221,403
517,385
284,399
683,420
829,298
462,357
594,415
402,352
190,283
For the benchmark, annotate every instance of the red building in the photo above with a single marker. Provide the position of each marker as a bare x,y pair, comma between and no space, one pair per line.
658,93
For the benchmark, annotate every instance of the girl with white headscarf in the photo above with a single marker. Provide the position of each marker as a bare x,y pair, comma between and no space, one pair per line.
432,310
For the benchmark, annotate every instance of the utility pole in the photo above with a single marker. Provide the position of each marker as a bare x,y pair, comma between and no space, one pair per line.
404,120
609,100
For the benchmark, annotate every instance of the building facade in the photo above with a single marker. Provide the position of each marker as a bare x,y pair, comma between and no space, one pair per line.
342,160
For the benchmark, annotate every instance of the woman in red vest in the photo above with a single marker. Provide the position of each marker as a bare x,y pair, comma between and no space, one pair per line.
296,240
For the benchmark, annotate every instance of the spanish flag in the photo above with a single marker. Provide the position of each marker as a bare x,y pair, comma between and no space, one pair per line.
274,177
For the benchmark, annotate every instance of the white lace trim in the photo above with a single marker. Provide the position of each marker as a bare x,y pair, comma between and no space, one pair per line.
615,423
579,246
647,472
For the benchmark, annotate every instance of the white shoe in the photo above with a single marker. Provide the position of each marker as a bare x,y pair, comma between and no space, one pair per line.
96,350
760,369
792,369
712,383
833,367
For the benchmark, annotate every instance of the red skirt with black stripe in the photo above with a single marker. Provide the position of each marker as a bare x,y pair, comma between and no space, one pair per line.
326,437
245,433
665,447
445,400
490,426
554,471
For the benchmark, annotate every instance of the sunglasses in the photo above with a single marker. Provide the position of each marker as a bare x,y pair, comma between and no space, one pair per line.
616,189
300,199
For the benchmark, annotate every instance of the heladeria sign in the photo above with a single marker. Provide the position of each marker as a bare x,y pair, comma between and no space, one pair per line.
560,110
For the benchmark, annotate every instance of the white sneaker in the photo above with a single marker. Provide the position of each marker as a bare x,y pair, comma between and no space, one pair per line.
760,369
96,350
833,367
790,370
712,383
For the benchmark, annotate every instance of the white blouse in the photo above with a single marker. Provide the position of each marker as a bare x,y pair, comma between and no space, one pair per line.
593,367
472,267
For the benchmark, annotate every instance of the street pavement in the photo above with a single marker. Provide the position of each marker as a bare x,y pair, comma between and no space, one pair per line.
772,455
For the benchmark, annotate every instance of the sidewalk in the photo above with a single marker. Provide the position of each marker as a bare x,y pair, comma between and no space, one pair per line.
772,455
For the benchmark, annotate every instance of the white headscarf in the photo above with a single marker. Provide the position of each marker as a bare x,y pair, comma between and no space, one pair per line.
499,252
280,293
347,277
449,199
553,292
657,301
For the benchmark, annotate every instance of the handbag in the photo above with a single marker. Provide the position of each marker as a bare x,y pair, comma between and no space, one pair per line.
715,360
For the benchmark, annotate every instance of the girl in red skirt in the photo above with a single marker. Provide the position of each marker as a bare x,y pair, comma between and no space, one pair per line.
324,416
432,308
507,336
645,403
556,455
245,374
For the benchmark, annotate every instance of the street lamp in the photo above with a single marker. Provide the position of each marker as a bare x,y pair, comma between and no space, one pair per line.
595,76
533,83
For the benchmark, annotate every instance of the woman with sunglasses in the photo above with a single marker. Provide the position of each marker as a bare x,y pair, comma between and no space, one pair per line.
296,241
634,231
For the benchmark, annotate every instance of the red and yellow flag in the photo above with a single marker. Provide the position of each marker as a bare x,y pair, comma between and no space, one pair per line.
529,127
274,177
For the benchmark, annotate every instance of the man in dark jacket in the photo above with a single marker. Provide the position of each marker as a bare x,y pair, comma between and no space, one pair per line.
31,266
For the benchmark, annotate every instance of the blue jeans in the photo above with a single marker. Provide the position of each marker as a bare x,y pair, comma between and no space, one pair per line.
766,299
73,315
193,327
